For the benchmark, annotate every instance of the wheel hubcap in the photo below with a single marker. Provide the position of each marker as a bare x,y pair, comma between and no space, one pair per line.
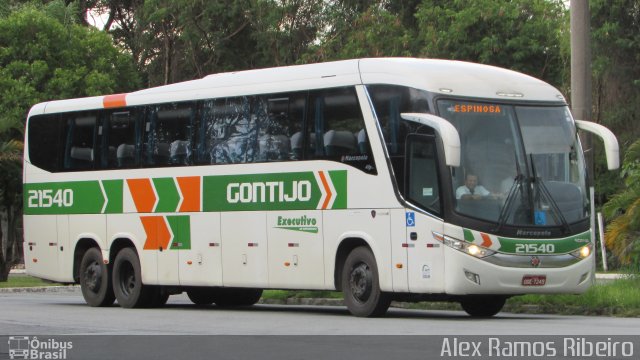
93,276
127,279
360,282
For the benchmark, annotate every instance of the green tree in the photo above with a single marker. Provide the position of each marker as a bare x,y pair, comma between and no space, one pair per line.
623,232
375,32
615,28
523,35
45,56
10,205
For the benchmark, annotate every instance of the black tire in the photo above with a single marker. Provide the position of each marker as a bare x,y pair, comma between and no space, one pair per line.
360,285
202,295
95,279
159,297
228,297
127,281
482,306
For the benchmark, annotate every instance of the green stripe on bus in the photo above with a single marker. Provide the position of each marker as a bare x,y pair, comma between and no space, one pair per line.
113,189
539,246
167,193
80,197
339,179
181,228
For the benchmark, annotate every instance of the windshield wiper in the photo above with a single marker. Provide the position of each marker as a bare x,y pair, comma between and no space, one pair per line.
511,195
557,213
508,202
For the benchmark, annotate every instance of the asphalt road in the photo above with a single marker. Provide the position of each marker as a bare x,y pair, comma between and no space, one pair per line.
65,313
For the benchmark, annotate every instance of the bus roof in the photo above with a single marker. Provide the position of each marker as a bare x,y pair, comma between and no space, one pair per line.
455,78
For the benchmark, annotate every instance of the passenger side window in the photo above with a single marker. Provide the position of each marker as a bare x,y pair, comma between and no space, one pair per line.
337,131
252,129
120,140
47,141
168,134
230,132
281,118
80,142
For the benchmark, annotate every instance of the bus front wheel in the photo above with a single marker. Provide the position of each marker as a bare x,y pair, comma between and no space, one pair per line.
127,281
360,285
95,279
482,306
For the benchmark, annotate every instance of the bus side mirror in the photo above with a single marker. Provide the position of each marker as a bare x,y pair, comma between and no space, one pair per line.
446,131
611,148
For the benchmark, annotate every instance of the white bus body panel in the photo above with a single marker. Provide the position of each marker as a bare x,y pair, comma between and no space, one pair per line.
426,268
202,264
296,257
245,260
41,259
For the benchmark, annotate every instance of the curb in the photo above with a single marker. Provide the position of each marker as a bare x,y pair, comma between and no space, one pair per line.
40,289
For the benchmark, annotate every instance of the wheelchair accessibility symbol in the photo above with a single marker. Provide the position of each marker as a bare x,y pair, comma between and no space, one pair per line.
411,219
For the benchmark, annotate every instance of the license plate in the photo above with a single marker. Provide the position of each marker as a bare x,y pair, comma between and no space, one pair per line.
534,280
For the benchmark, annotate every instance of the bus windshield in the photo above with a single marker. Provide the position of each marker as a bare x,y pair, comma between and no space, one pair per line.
520,165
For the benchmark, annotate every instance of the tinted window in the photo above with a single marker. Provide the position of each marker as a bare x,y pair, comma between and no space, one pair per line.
252,129
389,101
120,140
336,129
244,129
423,187
80,151
45,135
168,134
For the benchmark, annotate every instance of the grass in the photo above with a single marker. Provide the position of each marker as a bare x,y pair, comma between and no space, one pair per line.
19,281
615,298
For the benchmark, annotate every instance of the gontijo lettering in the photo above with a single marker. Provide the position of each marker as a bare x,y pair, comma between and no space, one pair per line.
272,191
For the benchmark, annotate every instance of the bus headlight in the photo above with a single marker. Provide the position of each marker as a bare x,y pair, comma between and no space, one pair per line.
463,246
583,252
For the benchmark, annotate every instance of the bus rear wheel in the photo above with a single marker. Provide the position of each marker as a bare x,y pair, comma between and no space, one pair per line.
360,285
127,281
482,306
227,297
95,279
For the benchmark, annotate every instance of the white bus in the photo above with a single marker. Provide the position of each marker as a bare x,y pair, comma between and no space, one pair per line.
344,176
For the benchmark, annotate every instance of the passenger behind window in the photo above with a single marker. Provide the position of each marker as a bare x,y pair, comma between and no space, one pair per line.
126,155
179,152
340,142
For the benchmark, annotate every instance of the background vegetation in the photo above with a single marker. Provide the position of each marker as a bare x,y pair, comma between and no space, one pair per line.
55,49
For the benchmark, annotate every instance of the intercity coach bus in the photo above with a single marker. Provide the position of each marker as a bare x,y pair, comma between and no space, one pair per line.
386,179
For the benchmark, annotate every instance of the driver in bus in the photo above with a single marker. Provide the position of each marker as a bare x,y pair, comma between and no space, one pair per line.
471,189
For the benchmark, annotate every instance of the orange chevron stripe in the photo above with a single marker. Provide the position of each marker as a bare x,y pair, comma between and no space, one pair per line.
158,234
326,188
114,101
486,240
190,189
142,193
